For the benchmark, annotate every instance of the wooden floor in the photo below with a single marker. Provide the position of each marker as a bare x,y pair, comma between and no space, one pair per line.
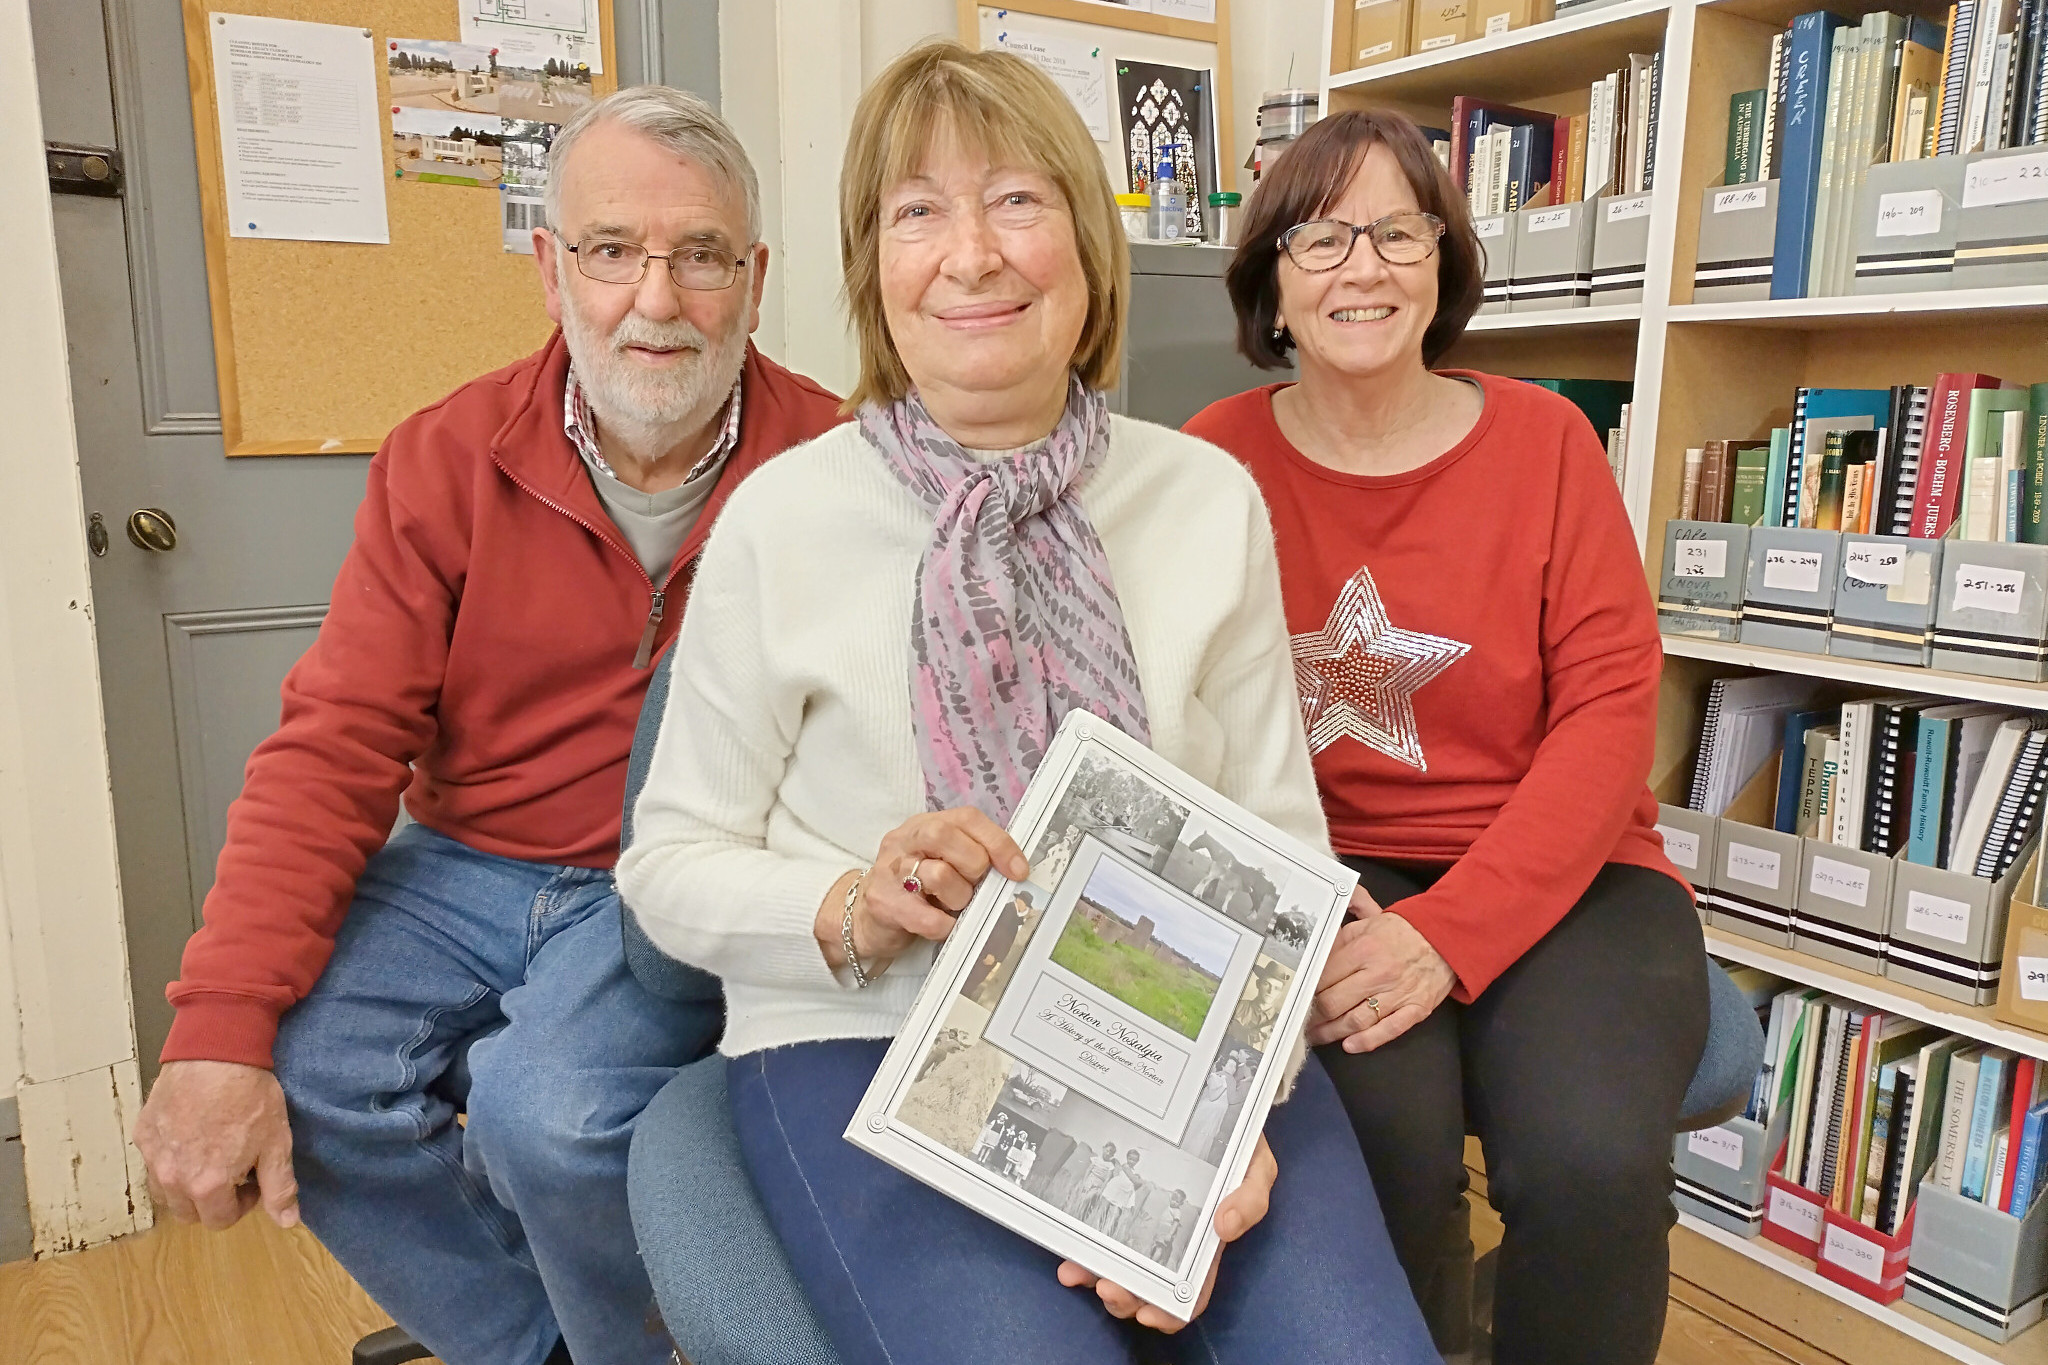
258,1296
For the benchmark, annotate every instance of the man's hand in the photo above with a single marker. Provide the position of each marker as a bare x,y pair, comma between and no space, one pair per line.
206,1127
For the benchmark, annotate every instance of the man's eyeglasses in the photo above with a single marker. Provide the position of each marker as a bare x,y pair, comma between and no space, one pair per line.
691,267
1326,243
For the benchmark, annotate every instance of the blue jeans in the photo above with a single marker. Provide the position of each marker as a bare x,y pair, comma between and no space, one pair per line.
491,1242
899,1273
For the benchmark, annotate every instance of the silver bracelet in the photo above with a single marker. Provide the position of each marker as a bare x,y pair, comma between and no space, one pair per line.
860,976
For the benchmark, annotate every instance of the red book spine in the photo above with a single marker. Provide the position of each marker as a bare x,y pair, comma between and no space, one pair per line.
2022,1096
1941,451
1560,155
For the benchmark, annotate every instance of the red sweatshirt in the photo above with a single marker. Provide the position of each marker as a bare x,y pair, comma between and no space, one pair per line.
478,657
1479,663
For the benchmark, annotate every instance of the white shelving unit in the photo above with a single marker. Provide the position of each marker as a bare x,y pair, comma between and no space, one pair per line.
1716,370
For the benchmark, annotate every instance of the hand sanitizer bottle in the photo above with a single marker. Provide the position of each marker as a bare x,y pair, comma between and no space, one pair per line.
1169,201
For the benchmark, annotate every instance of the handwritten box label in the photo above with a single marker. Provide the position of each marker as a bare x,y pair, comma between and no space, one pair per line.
1792,570
1490,227
1909,213
1878,564
1840,881
1681,848
1631,206
2006,180
1757,866
1700,559
1496,25
1859,1256
1740,198
1794,1214
1717,1145
1550,219
1980,587
2034,978
1938,917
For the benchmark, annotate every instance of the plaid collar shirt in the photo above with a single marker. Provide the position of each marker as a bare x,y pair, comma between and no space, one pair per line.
579,424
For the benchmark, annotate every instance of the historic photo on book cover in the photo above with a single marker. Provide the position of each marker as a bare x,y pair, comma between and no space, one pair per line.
1096,1048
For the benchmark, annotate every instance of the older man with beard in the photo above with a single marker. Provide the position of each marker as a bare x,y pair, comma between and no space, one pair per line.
521,557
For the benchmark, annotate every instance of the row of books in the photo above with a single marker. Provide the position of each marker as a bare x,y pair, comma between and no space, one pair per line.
1875,1104
1953,785
1507,158
1843,96
1966,456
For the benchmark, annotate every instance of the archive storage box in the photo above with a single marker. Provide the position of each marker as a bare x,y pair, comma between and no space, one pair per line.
1738,234
1788,592
2002,226
1906,221
1991,614
1755,882
1440,23
2023,975
1794,1216
1689,844
1700,592
1553,259
1947,932
1864,1259
1380,31
1497,240
1884,599
1491,18
1718,1173
1844,906
1977,1267
1621,247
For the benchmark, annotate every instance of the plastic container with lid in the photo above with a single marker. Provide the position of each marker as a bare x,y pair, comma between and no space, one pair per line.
1220,227
1136,211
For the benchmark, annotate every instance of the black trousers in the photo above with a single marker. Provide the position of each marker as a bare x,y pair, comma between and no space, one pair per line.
1570,1069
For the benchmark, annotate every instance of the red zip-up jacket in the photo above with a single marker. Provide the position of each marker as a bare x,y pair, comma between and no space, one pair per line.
478,657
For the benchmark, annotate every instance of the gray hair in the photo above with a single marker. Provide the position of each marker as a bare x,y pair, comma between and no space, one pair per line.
679,121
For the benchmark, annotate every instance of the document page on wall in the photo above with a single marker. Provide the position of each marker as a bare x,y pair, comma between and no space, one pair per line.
535,32
1078,68
302,150
1094,1052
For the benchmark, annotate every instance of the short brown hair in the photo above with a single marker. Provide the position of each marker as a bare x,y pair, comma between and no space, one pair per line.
1312,174
1010,109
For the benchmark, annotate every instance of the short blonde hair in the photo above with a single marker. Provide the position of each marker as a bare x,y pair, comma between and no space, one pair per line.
1012,111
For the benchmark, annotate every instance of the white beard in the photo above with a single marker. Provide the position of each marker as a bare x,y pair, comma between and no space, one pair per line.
644,408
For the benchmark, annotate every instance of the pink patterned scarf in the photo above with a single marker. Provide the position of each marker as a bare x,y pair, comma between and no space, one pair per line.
1017,621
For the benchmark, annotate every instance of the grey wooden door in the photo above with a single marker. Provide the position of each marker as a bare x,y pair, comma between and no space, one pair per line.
194,640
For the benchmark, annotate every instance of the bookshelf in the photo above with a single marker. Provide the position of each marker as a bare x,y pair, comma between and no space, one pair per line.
1705,370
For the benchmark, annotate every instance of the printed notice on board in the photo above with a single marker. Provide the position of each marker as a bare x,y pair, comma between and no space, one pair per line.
301,148
536,32
1076,67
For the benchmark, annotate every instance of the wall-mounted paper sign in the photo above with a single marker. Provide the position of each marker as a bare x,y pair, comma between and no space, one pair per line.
1077,67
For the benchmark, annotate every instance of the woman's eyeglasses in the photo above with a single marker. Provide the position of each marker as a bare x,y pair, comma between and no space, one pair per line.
1326,243
691,267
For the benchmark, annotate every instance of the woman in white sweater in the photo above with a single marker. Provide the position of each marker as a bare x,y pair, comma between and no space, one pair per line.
887,625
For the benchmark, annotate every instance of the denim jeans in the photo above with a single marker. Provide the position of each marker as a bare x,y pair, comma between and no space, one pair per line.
900,1273
490,1242
725,1288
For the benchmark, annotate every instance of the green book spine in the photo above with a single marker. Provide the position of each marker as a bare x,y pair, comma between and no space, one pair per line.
1833,473
1752,463
2034,525
1745,126
1774,476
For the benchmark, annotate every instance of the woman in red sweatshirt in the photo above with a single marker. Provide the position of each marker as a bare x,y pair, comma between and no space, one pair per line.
1478,664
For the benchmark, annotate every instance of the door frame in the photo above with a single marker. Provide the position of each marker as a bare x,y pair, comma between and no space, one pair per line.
67,1029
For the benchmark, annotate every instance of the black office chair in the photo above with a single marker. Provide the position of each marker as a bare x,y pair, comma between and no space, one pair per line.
661,974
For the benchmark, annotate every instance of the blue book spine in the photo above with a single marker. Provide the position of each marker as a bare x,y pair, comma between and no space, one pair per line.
1930,792
2015,492
1806,90
2029,1173
1983,1118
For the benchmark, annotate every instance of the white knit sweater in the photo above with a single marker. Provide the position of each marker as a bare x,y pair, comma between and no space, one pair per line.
787,750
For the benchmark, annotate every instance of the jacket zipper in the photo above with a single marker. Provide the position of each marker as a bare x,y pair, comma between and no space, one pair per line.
657,601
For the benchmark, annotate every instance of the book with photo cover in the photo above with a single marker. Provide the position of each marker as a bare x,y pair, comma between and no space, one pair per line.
1094,1052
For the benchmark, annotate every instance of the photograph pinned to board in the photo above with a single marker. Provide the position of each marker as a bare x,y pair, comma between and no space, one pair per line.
1076,66
300,142
1162,106
536,103
1093,1055
531,33
446,147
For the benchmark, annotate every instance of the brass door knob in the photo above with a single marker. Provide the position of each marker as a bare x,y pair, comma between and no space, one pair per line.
152,529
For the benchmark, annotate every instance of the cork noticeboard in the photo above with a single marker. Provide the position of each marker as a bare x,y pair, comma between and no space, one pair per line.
323,347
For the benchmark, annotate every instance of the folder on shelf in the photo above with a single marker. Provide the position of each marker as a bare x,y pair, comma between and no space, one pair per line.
1738,230
1906,218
